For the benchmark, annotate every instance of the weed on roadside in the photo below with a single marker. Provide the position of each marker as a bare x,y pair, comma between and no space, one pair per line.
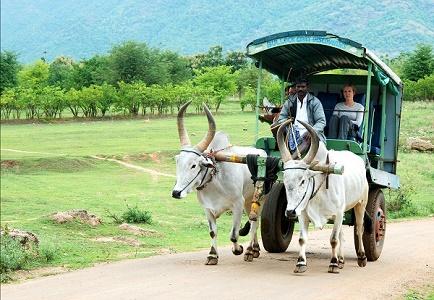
400,204
16,256
132,215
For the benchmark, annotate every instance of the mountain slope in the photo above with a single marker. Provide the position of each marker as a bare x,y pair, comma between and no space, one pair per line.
82,28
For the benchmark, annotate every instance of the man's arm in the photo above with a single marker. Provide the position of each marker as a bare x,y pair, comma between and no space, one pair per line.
285,112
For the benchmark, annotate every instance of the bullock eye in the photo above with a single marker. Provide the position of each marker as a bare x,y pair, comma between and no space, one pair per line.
302,182
193,166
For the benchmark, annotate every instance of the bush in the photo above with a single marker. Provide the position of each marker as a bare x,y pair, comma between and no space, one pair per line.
17,256
132,215
12,256
400,204
135,215
420,90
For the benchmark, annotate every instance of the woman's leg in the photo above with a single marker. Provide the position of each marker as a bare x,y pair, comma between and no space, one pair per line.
344,127
333,127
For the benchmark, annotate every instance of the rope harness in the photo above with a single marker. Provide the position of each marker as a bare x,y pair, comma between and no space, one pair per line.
311,179
208,155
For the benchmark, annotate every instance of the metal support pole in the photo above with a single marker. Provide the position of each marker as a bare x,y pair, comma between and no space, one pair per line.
383,126
367,110
258,96
282,92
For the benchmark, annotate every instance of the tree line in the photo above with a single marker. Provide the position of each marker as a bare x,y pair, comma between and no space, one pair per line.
135,79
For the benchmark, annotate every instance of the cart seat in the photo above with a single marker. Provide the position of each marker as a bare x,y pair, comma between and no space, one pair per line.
328,101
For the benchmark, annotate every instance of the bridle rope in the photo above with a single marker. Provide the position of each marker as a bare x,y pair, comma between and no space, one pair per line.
311,179
201,184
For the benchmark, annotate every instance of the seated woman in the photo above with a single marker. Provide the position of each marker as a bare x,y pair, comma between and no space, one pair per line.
347,116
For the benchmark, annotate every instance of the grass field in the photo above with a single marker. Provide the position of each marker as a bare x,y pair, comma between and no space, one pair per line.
48,168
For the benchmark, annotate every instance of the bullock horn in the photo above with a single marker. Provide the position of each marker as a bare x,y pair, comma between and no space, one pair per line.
314,143
284,152
203,144
183,135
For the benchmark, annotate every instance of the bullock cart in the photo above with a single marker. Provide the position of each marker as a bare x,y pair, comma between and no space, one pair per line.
314,54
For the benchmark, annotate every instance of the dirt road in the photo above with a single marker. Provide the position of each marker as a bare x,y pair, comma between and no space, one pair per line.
407,262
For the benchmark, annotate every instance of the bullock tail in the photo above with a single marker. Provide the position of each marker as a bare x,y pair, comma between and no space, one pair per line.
245,230
367,223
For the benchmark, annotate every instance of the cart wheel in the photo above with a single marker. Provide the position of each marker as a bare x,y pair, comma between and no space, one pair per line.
276,228
373,240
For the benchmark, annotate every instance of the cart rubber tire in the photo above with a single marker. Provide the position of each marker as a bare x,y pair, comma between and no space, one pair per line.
276,228
373,240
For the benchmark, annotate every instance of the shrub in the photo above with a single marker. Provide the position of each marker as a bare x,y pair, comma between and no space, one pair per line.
135,215
400,204
132,215
12,256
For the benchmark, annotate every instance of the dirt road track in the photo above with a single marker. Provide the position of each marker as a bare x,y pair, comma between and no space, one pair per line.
407,262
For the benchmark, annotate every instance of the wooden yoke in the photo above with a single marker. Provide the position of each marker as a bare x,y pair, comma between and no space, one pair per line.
259,185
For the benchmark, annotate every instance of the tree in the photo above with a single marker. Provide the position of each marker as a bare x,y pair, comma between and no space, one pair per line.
129,62
130,97
8,102
51,101
213,58
396,63
177,67
219,79
34,76
109,97
72,100
95,70
9,68
246,78
419,64
61,72
237,60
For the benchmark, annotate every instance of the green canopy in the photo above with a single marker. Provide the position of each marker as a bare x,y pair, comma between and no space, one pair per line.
305,52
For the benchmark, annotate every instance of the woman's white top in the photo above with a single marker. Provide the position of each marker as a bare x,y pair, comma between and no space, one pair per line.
354,113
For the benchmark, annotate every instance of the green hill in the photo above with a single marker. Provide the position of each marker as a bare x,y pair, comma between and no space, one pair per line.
82,28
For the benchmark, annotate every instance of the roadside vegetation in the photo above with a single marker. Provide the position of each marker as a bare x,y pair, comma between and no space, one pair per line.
134,79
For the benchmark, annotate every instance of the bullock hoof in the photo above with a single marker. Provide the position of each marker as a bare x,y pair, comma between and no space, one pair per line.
248,257
211,260
256,250
334,268
361,261
238,252
300,269
334,265
341,262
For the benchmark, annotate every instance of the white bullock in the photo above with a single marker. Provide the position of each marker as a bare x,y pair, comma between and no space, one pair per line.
311,198
221,186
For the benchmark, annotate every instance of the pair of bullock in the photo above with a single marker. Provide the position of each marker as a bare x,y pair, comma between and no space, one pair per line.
223,186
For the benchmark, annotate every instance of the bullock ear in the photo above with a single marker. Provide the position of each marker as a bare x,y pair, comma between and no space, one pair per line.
207,163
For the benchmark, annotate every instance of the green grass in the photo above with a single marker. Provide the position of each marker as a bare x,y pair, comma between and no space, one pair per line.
423,293
64,176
